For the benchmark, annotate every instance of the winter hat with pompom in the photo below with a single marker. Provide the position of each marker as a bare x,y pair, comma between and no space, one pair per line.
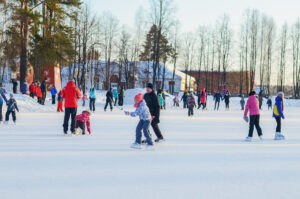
138,98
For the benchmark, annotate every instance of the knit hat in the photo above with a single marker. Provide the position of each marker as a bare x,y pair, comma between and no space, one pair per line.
252,93
149,85
138,98
87,111
11,95
280,94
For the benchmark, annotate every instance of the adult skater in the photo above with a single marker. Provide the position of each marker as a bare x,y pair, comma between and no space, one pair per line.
217,99
2,97
152,102
260,99
53,93
227,100
15,86
71,94
199,99
191,104
92,96
242,102
115,94
253,107
278,114
32,90
121,96
184,98
109,100
44,91
203,99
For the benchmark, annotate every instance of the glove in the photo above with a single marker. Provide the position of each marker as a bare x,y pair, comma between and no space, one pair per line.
283,117
246,119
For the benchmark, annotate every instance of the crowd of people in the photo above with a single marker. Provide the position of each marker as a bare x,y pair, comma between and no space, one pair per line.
148,107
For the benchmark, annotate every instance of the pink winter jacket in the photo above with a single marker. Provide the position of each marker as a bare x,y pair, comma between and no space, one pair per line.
203,96
252,106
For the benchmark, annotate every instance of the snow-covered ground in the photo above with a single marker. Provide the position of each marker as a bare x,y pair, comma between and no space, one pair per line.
203,157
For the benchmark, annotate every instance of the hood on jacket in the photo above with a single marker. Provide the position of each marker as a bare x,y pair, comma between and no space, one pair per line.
70,84
203,89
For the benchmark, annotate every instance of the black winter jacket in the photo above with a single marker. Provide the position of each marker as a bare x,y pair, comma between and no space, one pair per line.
109,96
152,102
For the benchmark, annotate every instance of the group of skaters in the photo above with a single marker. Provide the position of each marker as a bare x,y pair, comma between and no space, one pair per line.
114,96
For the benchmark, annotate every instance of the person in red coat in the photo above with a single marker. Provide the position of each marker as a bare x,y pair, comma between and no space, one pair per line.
39,94
71,94
83,120
32,90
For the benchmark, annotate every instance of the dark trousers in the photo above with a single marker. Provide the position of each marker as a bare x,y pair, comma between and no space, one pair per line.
191,111
92,104
43,98
13,113
106,104
217,105
53,99
254,121
39,100
70,112
242,106
81,125
278,121
184,104
1,116
269,107
32,95
143,125
120,101
156,130
227,105
116,100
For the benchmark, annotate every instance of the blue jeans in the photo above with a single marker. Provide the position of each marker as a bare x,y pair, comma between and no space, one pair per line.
143,124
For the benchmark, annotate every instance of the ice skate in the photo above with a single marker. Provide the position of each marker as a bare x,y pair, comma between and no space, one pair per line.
149,147
248,139
5,122
279,136
136,146
159,140
261,138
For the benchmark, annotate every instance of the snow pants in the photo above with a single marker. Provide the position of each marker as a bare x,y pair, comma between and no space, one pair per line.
13,113
81,125
70,112
53,99
143,125
278,127
191,111
254,121
60,106
92,104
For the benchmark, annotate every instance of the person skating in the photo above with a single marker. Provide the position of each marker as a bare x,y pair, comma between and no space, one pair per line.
39,94
242,102
269,103
152,102
227,100
71,94
217,99
53,93
84,99
11,109
253,107
203,99
15,86
109,100
161,100
191,104
83,120
2,97
115,94
164,97
183,98
278,114
44,91
60,102
176,100
260,99
121,96
32,90
92,96
145,118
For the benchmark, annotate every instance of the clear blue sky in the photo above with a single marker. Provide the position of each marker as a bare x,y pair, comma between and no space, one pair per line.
191,13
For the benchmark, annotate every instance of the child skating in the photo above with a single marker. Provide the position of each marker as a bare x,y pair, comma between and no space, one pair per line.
269,103
191,104
83,120
11,109
60,102
278,114
242,102
253,108
145,118
84,99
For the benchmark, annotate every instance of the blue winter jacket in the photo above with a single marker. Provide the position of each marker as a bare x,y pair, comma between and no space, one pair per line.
115,93
92,94
24,89
218,97
142,111
12,105
278,108
2,96
53,91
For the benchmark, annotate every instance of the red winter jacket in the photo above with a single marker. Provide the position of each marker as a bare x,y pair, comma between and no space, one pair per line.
203,96
71,94
85,118
32,88
38,92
